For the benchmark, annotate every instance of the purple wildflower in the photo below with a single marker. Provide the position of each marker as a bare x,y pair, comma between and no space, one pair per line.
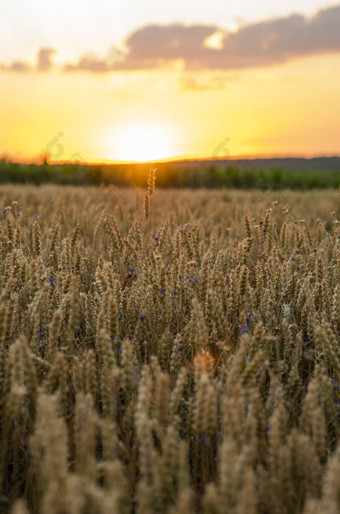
132,272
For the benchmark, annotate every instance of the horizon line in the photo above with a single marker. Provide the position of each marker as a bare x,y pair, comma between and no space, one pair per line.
43,159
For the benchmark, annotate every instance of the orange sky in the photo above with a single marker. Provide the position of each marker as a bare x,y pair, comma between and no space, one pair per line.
286,107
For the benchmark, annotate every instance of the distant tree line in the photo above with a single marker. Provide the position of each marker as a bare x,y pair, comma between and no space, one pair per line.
172,174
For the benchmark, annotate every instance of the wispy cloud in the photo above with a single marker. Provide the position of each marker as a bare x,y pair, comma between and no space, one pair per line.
89,63
18,66
43,63
194,82
208,47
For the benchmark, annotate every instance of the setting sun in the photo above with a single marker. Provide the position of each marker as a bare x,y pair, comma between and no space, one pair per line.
141,142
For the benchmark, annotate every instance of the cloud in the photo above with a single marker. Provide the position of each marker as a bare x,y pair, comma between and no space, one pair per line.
89,63
208,47
156,45
43,63
258,44
194,82
44,59
18,66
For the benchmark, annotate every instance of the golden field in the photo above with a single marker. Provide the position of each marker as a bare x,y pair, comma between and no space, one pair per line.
184,363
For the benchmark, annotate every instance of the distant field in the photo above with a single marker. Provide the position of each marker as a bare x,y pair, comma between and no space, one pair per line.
184,363
272,174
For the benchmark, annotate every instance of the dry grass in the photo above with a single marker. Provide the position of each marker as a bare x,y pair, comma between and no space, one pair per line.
187,362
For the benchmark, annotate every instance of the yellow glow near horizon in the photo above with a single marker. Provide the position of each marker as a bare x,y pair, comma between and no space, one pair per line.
144,141
282,110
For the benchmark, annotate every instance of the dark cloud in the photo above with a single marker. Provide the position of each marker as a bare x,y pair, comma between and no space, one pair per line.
155,45
264,43
44,59
258,44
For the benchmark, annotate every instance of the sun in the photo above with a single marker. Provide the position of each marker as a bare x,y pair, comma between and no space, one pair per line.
141,142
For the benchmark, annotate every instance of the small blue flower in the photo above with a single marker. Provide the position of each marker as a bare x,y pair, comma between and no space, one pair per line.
52,281
268,428
132,272
244,330
19,213
180,349
4,211
114,338
120,313
193,280
41,335
175,292
264,230
80,271
119,350
142,318
250,318
162,291
156,238
308,342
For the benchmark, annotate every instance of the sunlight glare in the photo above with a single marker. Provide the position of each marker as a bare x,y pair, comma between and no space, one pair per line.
141,142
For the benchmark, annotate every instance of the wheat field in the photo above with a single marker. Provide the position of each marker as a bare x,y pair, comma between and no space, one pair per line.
171,352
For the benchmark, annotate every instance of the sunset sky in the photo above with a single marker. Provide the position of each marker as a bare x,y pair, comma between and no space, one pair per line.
126,80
